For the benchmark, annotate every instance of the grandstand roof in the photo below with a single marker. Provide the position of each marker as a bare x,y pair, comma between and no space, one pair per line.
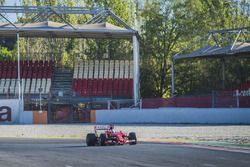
61,30
239,49
228,43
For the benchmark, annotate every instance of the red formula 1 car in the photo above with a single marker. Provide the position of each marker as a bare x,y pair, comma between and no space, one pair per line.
109,137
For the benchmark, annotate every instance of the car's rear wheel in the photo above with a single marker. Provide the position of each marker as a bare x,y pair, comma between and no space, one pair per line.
132,138
103,139
91,139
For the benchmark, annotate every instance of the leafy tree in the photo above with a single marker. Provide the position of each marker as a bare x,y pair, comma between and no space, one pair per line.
161,32
177,24
6,54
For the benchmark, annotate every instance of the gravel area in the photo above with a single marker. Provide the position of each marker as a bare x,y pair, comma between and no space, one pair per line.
239,134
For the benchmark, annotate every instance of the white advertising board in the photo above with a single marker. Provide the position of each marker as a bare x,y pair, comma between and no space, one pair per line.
176,115
9,111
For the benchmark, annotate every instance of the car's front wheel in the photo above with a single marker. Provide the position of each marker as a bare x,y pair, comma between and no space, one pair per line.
91,139
132,138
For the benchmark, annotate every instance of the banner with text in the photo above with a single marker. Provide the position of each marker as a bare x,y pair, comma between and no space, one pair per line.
9,111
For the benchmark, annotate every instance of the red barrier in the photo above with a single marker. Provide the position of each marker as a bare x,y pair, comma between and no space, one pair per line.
194,101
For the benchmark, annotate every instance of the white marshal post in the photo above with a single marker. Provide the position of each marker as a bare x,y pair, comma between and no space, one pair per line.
136,70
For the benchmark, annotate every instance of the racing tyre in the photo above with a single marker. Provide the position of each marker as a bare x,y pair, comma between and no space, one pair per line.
132,138
103,139
91,139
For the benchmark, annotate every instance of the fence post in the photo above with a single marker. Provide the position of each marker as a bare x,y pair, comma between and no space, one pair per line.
213,99
237,99
108,105
140,103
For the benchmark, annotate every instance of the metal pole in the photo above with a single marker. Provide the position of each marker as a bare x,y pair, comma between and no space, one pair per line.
213,99
136,70
235,40
108,105
40,99
18,77
223,73
22,91
172,66
237,99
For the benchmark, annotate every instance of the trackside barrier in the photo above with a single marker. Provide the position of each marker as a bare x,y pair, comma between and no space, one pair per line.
39,117
92,116
9,111
26,117
33,117
176,115
208,101
10,114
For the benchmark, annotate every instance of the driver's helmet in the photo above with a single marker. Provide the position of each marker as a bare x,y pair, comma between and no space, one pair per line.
111,126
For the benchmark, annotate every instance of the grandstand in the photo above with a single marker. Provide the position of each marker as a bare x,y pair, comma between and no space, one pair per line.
221,45
104,78
34,76
69,93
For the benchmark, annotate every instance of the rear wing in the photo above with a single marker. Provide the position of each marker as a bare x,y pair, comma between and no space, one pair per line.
102,127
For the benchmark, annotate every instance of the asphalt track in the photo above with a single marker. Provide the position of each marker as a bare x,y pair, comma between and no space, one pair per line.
74,153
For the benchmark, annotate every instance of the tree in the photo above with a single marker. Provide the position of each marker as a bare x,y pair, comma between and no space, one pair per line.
169,26
161,32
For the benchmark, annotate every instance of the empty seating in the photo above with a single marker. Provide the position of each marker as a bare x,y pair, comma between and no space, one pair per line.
43,85
27,86
34,75
2,82
48,85
105,78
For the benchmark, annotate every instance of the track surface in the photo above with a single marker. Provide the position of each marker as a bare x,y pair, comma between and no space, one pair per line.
74,153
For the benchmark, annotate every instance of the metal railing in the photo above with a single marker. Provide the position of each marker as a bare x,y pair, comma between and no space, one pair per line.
228,98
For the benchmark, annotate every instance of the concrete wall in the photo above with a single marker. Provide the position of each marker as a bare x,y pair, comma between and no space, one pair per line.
176,115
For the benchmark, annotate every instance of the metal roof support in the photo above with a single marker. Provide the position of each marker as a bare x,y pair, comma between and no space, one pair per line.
207,43
191,45
58,9
238,31
62,18
119,20
209,37
104,14
172,68
8,20
230,30
236,39
97,17
243,33
217,44
101,14
223,39
136,70
36,17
